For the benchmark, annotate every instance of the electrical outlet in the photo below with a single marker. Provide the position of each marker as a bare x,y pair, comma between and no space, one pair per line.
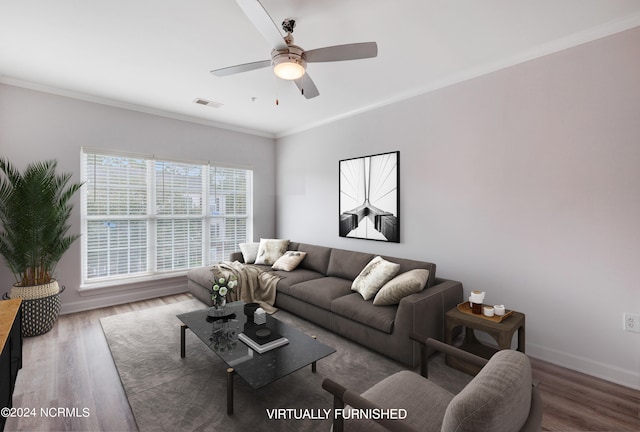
632,322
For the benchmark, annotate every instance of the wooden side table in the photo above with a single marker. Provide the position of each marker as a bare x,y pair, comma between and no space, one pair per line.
501,332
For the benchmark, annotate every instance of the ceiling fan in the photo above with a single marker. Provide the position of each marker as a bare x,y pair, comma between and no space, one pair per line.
289,61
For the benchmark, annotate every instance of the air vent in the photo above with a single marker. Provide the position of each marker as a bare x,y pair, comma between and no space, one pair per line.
208,103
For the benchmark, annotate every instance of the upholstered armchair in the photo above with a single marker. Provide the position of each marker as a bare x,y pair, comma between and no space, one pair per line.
501,398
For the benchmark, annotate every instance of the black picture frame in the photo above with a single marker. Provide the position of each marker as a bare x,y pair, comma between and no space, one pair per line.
369,197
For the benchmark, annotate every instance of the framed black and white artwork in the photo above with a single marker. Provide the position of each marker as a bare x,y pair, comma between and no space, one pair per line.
369,197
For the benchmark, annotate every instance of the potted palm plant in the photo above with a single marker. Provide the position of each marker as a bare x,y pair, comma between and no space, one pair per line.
34,224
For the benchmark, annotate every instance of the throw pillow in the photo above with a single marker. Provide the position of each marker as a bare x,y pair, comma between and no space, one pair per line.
270,250
289,261
409,282
249,252
375,274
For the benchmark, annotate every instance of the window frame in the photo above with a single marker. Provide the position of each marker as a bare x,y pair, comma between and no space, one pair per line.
152,217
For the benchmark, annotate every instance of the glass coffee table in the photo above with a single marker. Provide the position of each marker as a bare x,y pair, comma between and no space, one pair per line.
220,334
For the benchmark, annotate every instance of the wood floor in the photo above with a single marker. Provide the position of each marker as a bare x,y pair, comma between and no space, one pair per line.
71,368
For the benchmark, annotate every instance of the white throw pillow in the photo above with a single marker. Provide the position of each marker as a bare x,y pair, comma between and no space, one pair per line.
396,289
289,261
270,250
249,252
375,274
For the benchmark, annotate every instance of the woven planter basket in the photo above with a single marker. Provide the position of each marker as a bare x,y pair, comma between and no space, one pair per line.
39,313
35,291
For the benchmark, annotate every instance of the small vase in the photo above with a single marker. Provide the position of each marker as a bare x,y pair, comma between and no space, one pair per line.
220,304
217,310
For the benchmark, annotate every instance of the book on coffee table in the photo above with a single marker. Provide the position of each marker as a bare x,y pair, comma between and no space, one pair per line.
262,339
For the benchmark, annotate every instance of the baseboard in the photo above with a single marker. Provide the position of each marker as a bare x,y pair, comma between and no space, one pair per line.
607,372
124,297
624,377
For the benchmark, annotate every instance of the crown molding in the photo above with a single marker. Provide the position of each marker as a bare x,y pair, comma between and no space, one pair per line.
128,106
558,45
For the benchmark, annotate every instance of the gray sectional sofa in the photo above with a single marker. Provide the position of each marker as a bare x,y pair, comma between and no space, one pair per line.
319,290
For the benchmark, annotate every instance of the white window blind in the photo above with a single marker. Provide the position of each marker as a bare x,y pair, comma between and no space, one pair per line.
179,196
142,216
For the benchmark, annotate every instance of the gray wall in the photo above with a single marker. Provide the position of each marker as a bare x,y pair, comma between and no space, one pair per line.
523,183
39,126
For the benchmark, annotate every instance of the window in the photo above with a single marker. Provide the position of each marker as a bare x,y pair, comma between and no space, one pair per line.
143,216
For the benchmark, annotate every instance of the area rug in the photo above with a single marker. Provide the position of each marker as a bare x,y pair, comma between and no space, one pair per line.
168,393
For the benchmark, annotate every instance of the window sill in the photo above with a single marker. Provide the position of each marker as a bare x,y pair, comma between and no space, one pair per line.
132,284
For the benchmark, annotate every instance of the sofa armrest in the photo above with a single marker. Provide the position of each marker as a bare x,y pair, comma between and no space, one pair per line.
430,345
236,256
423,313
456,352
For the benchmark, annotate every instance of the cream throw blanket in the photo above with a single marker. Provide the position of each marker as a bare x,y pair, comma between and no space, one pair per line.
254,284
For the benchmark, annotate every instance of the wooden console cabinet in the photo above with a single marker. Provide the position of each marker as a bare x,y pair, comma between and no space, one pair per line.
11,351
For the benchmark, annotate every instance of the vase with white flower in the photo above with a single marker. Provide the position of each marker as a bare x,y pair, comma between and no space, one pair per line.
220,288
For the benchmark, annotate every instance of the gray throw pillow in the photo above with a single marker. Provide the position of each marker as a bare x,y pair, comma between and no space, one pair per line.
396,289
375,274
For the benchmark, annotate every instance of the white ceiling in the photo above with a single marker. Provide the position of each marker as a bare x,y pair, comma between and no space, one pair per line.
155,55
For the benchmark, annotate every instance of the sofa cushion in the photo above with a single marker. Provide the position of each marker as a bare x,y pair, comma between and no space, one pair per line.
396,289
347,264
354,308
409,264
373,276
249,252
270,250
321,292
317,257
262,267
291,278
289,261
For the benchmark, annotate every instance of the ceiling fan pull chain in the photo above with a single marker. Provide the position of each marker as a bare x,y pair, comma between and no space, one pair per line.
276,87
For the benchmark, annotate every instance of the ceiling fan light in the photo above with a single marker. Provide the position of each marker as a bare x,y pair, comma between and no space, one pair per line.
289,70
288,64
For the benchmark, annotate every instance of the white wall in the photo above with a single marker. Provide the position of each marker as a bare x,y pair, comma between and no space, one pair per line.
40,126
524,183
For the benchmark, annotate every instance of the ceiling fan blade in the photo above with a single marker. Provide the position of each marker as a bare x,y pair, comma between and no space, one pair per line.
258,15
307,86
241,68
352,51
